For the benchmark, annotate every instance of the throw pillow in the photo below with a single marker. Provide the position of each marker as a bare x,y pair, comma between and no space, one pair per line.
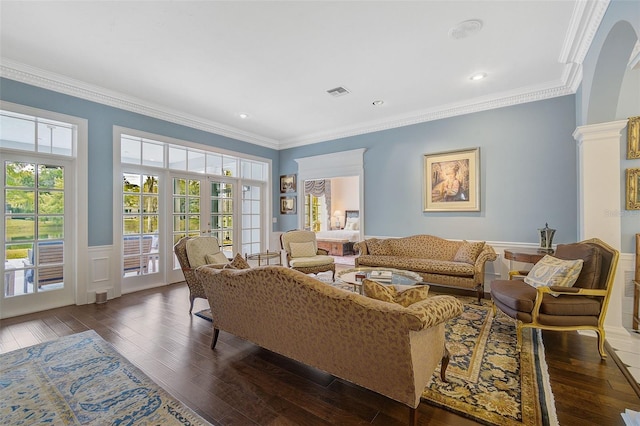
238,262
307,249
468,252
216,258
388,293
378,247
551,271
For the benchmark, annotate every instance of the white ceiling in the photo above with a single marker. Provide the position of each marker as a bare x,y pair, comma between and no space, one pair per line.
201,63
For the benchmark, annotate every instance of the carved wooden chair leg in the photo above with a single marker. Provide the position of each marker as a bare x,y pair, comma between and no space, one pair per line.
480,289
191,299
214,340
444,364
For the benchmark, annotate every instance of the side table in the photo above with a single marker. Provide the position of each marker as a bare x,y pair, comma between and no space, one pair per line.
524,255
265,257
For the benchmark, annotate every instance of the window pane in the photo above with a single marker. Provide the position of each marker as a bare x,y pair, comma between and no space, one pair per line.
51,202
179,187
130,150
194,222
150,204
179,204
131,183
177,158
50,227
179,223
20,175
194,205
150,184
194,187
131,204
54,138
19,228
50,177
19,201
17,132
150,224
214,164
152,154
196,161
131,224
229,166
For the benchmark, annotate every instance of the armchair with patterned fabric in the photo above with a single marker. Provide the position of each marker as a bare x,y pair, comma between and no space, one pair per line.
193,252
304,255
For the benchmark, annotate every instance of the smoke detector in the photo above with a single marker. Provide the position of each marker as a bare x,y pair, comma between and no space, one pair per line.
338,91
465,29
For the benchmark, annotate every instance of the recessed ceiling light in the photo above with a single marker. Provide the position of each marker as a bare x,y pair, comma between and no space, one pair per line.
377,103
478,76
243,115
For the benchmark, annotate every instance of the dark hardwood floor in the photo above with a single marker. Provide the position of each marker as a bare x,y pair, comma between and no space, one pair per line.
242,384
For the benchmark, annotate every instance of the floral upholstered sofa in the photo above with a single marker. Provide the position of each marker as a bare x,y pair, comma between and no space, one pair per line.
382,346
439,261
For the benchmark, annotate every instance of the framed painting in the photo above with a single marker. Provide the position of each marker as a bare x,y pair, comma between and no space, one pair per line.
633,189
287,205
452,181
287,183
633,138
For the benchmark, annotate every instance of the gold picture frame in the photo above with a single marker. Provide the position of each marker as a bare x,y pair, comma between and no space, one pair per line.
633,138
633,189
452,181
287,183
288,205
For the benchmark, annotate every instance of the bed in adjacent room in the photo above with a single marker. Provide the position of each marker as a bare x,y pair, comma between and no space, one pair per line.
339,242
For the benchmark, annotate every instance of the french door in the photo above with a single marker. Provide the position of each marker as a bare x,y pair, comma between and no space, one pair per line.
37,234
158,209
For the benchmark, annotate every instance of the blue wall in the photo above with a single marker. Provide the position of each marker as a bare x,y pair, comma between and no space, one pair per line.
101,119
528,173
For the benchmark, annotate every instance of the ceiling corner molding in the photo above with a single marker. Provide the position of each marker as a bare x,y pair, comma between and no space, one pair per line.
46,80
526,95
584,23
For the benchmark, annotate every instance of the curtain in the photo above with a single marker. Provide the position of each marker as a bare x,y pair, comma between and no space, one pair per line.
318,188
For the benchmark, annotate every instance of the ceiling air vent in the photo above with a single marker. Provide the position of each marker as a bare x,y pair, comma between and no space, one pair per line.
338,91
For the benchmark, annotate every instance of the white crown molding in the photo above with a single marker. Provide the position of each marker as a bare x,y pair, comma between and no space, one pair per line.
61,84
472,106
583,26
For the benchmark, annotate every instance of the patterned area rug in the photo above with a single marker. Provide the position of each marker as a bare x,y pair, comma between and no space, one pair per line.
81,380
486,381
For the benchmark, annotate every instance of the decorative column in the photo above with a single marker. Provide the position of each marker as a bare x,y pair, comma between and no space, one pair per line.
599,200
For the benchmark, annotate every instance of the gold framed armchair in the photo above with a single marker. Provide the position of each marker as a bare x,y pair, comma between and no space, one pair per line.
304,255
580,307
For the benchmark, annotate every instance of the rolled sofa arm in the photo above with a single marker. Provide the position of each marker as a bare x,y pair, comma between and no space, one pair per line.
488,254
437,309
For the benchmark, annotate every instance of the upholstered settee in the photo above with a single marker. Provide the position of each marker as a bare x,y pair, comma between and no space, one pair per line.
439,261
382,346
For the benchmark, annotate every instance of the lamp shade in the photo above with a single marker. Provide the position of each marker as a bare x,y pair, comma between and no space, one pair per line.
337,213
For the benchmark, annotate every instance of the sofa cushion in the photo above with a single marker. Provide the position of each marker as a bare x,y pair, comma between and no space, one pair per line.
553,272
301,262
442,267
216,258
424,247
590,273
389,293
238,262
306,249
468,252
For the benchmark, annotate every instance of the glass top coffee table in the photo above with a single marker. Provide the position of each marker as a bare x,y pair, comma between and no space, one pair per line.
355,276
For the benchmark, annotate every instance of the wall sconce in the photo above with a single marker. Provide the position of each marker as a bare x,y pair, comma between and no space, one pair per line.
546,238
